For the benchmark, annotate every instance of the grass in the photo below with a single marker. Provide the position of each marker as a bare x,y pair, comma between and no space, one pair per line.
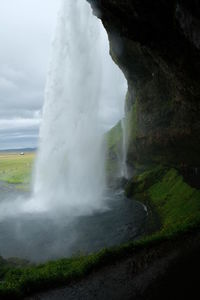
114,144
176,203
19,282
114,136
15,168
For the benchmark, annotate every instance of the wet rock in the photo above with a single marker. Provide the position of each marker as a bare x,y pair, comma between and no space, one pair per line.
157,46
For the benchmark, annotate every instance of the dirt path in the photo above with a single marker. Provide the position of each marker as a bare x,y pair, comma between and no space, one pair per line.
167,271
116,282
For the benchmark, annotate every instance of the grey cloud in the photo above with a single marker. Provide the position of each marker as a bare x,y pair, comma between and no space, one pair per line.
25,33
18,131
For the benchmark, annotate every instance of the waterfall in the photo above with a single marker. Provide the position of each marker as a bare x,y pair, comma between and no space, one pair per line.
69,209
69,171
124,171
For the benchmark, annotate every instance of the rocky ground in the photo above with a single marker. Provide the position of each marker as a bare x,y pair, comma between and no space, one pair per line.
167,271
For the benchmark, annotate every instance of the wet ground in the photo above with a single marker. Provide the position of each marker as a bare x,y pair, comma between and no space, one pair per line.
39,237
167,270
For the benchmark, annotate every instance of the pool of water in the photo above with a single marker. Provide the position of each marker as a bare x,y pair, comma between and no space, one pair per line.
41,237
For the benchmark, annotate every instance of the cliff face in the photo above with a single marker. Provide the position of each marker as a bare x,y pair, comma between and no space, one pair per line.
157,46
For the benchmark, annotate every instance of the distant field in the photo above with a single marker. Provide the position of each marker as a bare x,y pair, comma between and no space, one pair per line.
16,168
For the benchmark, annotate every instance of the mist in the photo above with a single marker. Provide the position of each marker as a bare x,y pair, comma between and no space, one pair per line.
69,208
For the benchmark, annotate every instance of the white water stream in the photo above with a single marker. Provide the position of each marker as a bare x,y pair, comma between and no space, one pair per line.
67,210
69,174
123,168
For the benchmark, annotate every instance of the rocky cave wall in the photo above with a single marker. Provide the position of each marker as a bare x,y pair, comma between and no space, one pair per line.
157,46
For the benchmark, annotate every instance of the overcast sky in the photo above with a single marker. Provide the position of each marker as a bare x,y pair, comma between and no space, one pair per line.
26,28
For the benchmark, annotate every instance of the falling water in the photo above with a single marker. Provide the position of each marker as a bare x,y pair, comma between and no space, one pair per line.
124,171
70,165
70,210
69,173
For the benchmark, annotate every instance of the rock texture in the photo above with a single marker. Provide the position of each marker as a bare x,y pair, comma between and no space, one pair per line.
157,46
166,271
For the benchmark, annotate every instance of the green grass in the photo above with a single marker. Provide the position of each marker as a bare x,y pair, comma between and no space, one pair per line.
176,203
22,281
114,136
16,169
19,282
113,143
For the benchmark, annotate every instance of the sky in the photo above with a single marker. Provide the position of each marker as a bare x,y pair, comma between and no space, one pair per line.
26,31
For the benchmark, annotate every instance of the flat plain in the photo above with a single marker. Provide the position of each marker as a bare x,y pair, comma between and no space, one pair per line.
16,168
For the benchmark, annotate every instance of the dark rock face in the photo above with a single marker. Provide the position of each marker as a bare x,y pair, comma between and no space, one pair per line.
157,46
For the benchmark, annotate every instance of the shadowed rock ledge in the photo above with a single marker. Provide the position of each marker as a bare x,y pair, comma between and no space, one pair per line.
166,271
157,46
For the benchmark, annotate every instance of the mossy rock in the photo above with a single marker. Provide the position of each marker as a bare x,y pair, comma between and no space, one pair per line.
176,203
145,180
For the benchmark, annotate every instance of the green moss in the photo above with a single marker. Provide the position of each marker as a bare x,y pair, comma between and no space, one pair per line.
113,143
17,283
114,136
142,182
176,203
114,139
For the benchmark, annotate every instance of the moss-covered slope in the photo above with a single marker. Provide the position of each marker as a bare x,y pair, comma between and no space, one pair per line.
114,149
162,190
175,202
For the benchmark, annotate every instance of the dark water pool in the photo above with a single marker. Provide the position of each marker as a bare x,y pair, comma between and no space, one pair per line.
38,237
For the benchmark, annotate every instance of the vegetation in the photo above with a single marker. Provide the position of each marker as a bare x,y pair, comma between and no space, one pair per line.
113,142
19,282
15,168
114,136
176,203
